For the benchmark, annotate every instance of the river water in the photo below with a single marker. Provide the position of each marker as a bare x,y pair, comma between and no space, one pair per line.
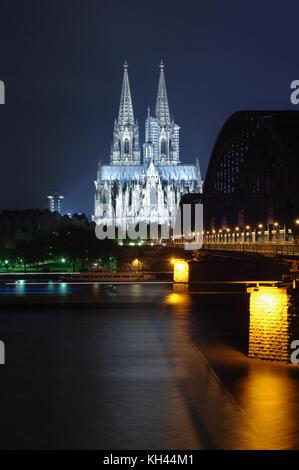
138,367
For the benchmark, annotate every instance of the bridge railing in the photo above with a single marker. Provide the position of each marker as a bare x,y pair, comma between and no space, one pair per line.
284,249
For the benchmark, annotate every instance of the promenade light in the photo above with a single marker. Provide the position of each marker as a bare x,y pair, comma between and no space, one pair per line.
6,261
213,231
228,229
63,260
276,224
220,231
173,260
297,221
260,225
247,227
237,229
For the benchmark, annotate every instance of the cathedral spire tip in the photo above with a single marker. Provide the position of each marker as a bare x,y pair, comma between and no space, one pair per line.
126,115
162,108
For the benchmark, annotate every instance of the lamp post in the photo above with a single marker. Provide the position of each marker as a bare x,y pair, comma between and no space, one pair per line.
260,233
247,233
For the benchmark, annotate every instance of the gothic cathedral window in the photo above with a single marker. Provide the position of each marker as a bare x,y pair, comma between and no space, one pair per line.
163,147
126,147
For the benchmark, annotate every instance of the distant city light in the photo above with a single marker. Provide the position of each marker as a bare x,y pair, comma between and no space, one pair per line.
55,202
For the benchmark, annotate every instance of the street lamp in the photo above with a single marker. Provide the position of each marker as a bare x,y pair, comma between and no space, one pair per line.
136,263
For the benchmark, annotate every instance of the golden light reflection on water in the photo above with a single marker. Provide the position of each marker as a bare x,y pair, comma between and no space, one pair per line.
269,392
175,299
269,398
178,299
270,322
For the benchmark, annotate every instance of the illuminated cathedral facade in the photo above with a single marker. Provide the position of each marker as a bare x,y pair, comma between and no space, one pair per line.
143,186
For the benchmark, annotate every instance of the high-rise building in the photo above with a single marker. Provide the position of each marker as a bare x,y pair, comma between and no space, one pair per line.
129,190
55,202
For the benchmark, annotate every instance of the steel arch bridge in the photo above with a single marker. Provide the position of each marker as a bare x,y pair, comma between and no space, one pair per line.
252,177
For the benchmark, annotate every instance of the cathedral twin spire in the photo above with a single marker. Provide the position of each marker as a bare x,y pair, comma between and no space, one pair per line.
161,133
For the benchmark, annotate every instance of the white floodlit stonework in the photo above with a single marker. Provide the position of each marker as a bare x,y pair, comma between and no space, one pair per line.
131,190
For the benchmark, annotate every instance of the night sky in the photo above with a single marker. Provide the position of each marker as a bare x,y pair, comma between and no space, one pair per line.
61,61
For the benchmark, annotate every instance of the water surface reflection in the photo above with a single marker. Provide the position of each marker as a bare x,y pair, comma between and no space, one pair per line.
145,367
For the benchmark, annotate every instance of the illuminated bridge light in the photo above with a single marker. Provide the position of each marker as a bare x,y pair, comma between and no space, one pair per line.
181,271
270,323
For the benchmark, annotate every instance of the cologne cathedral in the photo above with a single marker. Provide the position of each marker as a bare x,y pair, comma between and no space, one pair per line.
143,186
